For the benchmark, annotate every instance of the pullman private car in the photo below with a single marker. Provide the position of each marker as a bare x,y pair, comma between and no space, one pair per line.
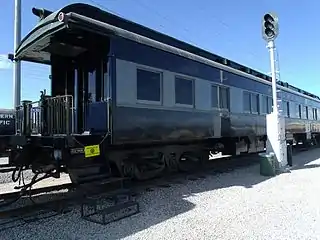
129,101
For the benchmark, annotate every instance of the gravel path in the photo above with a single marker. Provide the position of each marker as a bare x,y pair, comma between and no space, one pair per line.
237,205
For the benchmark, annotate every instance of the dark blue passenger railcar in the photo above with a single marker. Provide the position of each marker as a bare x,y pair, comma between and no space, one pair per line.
151,102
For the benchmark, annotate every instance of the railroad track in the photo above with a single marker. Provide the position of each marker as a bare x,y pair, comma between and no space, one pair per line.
33,207
75,196
16,215
11,218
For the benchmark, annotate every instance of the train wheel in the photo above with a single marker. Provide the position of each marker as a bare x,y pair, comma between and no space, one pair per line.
144,167
172,155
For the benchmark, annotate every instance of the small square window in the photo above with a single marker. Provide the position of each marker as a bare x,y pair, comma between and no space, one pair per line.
148,85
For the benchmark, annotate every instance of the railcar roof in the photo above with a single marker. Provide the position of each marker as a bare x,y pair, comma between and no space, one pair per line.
103,16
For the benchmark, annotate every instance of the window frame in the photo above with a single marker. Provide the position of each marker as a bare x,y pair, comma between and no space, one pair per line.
219,86
228,98
153,70
250,97
257,96
243,108
193,91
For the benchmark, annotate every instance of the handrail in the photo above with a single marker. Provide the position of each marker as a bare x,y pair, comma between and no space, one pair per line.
48,116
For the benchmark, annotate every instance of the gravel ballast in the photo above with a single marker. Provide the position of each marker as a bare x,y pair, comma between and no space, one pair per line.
6,177
238,205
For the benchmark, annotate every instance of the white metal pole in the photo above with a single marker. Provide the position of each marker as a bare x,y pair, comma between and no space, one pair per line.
17,64
273,76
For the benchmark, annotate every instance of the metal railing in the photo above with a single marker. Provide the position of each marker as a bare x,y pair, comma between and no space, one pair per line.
47,117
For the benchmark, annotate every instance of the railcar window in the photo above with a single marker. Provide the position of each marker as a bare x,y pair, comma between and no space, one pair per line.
148,85
184,91
307,113
246,102
251,102
314,113
224,97
254,103
264,104
214,96
298,110
285,109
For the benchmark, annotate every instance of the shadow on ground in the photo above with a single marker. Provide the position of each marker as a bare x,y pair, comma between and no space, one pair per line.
306,160
158,206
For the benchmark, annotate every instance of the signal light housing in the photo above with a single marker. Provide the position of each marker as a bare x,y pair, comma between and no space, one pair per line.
270,26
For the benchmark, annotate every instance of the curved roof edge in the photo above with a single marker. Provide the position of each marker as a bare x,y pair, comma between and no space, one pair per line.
38,28
104,16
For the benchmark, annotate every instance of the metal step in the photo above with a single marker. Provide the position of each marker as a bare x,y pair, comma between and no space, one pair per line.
101,216
115,196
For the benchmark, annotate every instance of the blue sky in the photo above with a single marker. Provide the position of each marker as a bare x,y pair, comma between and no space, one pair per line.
229,28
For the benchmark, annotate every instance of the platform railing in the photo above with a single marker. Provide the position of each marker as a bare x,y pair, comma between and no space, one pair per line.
49,116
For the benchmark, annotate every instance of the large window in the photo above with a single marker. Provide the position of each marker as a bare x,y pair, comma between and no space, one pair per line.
184,91
250,102
220,97
148,85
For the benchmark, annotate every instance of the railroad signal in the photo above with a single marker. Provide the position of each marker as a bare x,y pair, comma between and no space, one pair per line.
270,26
